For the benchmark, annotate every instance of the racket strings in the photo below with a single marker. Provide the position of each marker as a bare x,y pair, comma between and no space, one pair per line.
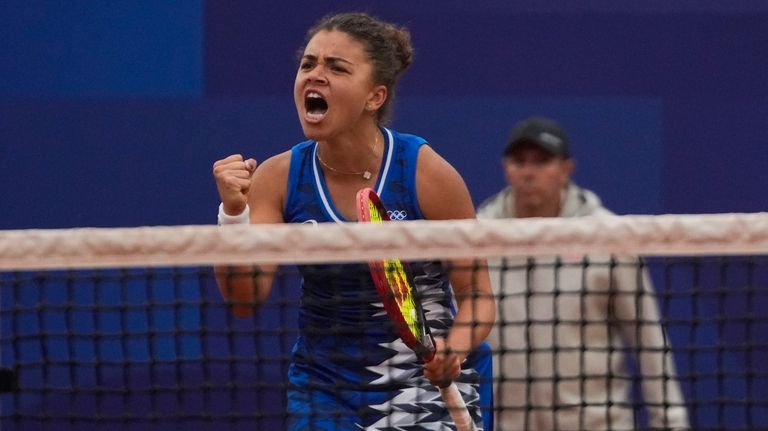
402,294
399,285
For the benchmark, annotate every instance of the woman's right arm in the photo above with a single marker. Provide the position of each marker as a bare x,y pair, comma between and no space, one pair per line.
263,189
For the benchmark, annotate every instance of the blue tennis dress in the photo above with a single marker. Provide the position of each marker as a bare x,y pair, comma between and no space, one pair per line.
349,371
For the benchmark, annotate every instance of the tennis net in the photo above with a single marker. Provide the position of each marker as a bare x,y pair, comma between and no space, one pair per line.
125,328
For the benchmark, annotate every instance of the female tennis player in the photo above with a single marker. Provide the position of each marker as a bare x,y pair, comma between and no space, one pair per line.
349,369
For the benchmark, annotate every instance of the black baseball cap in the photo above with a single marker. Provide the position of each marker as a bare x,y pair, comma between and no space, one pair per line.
542,132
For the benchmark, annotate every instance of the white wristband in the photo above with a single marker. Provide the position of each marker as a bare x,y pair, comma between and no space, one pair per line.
242,218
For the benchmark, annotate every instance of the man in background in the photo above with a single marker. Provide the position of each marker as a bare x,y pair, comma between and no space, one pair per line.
565,324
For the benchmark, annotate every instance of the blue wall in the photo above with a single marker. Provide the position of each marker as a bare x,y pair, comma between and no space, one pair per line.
112,112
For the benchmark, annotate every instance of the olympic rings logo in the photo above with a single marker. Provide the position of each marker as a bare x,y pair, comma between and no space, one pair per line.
397,214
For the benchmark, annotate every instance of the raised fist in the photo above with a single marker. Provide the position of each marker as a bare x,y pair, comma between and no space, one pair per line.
233,179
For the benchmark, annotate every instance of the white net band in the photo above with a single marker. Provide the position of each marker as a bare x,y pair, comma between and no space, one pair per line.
285,243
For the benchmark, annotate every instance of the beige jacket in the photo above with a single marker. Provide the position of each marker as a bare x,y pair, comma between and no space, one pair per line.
562,334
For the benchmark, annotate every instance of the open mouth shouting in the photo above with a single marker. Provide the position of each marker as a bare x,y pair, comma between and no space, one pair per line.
315,106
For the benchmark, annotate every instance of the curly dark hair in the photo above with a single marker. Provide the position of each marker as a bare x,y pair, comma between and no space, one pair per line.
388,48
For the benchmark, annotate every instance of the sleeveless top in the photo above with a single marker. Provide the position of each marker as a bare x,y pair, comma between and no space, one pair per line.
345,337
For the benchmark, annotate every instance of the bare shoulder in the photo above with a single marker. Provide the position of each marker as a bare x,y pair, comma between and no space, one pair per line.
267,192
279,163
441,189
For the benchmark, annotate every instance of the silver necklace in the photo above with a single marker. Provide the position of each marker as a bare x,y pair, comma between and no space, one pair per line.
366,173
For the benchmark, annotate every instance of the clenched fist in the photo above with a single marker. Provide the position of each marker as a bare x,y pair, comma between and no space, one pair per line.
233,179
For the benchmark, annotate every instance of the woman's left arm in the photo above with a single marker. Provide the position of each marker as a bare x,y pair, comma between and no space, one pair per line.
443,195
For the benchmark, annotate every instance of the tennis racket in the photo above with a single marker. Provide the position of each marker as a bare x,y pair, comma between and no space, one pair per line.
394,283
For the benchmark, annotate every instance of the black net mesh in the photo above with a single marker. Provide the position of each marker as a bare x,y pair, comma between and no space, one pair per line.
581,342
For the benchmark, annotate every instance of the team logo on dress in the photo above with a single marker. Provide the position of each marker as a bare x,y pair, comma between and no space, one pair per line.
397,214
